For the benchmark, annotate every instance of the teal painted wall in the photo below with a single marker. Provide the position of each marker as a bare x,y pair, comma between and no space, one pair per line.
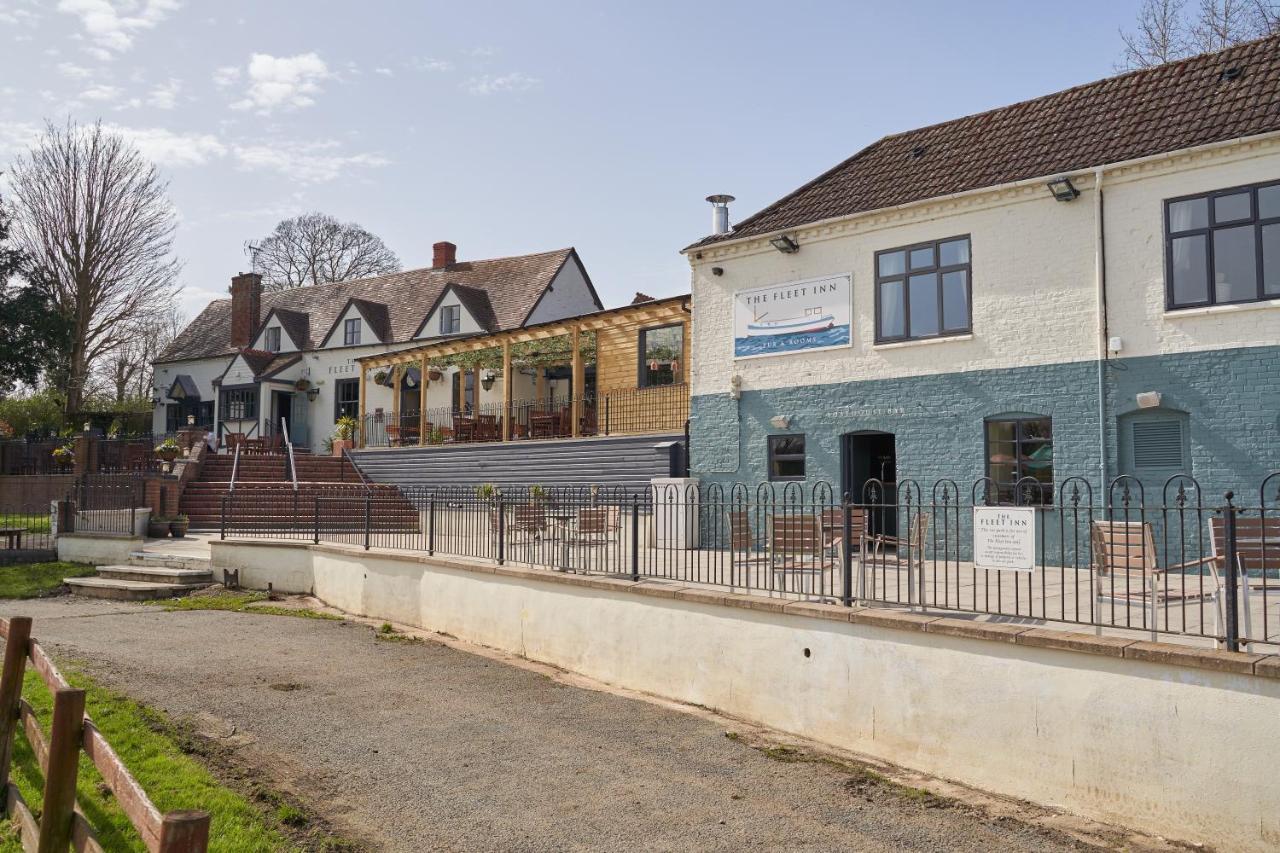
1232,398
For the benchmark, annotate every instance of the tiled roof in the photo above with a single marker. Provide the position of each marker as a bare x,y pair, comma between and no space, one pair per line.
258,360
377,316
277,364
296,325
513,286
1209,98
476,301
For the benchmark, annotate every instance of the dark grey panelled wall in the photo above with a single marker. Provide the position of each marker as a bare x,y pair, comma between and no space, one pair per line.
629,462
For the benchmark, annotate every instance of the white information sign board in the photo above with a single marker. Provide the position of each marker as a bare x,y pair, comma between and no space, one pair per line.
1004,537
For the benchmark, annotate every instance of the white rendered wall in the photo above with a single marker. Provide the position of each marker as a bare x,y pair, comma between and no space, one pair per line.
1125,741
568,296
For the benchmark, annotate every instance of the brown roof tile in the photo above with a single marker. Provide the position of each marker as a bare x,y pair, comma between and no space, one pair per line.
513,286
1152,111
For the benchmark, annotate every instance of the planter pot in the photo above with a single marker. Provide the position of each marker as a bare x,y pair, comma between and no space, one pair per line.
340,444
157,529
167,455
179,528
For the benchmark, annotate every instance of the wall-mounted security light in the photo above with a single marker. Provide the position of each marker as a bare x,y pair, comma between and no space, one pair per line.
717,270
1063,189
1149,400
785,244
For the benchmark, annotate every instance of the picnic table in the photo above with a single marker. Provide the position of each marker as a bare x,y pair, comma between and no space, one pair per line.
13,537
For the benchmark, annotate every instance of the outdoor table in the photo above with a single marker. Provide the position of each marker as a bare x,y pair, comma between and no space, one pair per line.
13,536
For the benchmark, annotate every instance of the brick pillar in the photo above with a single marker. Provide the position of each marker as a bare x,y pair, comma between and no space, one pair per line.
151,494
86,450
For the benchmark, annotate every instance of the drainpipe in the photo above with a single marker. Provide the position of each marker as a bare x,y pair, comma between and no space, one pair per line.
1100,276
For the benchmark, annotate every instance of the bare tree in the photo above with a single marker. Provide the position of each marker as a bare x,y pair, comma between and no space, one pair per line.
1160,35
316,248
1163,31
92,213
126,372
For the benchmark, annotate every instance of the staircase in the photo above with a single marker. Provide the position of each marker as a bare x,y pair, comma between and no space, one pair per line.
264,498
146,576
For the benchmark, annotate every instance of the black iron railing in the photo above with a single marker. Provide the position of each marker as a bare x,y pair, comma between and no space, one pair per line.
1179,563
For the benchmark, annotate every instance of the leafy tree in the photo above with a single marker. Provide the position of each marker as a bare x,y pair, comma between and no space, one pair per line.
35,334
315,248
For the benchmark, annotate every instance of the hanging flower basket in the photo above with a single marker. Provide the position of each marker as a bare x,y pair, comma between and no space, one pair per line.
302,385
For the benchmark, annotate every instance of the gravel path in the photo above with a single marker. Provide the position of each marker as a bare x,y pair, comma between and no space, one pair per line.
419,746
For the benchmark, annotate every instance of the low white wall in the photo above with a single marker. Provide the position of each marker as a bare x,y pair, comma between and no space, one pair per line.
99,549
112,521
1184,752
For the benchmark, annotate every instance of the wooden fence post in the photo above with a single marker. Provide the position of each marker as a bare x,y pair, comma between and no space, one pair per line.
15,664
184,832
64,762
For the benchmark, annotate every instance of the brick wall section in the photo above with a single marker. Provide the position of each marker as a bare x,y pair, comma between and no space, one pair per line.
33,493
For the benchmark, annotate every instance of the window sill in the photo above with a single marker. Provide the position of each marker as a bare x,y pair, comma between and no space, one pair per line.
923,342
1174,313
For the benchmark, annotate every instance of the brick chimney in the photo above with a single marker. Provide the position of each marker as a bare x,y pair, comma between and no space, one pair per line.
246,302
443,255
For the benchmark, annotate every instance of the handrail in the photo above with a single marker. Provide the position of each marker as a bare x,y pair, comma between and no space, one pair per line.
293,468
364,481
235,465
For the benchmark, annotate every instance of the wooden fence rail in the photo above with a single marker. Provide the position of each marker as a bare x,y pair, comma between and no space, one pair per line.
62,824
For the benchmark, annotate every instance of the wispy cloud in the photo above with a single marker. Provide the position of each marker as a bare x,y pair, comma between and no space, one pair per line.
172,149
282,81
427,63
16,16
305,162
227,75
165,96
101,92
385,72
490,84
110,25
73,71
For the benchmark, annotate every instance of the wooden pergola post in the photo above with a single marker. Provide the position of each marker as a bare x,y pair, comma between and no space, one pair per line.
396,379
422,403
578,381
507,382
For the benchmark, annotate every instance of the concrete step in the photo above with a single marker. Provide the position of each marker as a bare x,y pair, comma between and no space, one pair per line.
158,559
124,590
156,574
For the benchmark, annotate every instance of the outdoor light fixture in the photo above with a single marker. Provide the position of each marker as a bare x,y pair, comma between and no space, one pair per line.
1062,189
785,244
313,393
486,382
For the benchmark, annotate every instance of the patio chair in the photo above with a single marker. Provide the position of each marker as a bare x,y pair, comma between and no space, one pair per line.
529,521
542,424
464,429
1257,551
232,440
486,427
796,550
1126,571
908,553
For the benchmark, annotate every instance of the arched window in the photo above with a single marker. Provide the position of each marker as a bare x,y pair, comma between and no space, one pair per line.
1020,446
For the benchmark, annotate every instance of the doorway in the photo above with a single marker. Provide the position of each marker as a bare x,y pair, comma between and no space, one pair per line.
281,408
872,455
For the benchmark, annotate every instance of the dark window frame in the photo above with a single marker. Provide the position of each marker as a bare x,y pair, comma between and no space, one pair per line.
271,339
247,398
450,319
774,456
1018,420
1255,220
340,405
642,363
351,332
905,278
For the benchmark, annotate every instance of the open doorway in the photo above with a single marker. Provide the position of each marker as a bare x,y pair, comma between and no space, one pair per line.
866,456
281,409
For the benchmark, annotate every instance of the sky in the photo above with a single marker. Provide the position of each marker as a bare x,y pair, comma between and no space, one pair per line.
517,127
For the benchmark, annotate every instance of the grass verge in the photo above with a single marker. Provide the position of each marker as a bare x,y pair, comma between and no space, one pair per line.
146,742
238,602
37,580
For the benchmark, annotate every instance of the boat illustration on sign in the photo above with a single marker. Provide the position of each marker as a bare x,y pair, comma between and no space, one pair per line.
812,320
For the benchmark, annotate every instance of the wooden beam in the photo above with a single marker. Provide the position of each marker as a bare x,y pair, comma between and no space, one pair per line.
578,381
508,381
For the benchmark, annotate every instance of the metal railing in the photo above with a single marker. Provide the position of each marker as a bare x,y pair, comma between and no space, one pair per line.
289,460
1176,563
106,503
235,469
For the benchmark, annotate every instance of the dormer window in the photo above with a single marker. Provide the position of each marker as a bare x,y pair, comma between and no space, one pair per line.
450,319
351,332
271,342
